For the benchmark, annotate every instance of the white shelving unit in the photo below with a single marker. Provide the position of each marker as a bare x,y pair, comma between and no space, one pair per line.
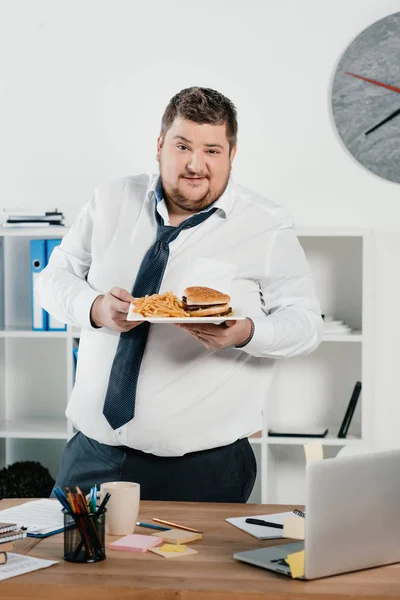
36,367
37,370
314,390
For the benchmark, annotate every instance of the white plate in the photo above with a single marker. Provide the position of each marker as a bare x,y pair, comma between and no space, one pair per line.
132,316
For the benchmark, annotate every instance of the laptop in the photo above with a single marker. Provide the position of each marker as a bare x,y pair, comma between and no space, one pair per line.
352,518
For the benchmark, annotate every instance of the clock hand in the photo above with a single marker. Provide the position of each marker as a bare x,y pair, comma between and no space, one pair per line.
375,82
389,118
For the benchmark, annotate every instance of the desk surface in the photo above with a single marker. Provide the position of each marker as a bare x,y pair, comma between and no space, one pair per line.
212,574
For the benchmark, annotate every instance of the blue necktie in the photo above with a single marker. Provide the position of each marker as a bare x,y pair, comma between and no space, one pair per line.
119,404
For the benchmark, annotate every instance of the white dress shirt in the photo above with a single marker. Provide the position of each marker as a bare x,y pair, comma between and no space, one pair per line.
188,398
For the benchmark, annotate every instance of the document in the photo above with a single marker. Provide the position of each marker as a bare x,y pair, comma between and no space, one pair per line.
39,517
18,564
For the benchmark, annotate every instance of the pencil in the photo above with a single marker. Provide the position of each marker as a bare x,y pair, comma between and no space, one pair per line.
176,525
141,524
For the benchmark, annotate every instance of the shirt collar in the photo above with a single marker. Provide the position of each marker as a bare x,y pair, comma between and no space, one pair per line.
224,202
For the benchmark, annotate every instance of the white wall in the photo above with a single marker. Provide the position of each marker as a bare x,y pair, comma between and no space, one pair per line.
83,84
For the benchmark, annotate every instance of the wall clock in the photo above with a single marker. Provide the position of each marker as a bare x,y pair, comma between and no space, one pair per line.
366,98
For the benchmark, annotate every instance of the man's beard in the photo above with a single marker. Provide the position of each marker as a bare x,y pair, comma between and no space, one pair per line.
174,196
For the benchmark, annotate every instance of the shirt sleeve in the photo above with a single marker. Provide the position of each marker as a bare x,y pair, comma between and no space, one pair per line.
62,288
292,324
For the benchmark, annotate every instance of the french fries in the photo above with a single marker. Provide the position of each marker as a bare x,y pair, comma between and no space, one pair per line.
160,305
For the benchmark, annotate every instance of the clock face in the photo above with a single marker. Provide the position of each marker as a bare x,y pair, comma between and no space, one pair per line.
366,98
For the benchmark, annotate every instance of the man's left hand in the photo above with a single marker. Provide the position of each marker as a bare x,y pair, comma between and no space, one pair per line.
215,337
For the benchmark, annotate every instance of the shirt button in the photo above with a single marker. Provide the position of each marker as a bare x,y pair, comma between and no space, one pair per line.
120,432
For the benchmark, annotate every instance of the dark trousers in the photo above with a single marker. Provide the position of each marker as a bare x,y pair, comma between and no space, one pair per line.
225,474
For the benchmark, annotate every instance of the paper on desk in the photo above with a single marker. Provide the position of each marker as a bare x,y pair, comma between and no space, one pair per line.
296,562
260,531
38,516
294,528
313,451
18,564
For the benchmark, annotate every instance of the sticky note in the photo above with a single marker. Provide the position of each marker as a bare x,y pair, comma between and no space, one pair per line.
173,548
186,552
294,528
313,451
178,536
296,562
135,542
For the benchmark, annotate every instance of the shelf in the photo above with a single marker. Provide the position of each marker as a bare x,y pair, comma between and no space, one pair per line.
45,232
29,333
327,441
55,429
342,337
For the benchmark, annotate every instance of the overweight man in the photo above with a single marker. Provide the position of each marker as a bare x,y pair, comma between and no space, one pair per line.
171,407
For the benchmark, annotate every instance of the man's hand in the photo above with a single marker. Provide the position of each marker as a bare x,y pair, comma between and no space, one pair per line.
110,310
215,337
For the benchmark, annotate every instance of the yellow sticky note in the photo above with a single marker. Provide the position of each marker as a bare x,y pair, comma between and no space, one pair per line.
296,562
313,451
173,548
294,528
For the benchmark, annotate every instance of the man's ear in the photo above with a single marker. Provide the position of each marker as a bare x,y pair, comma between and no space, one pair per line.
160,141
232,154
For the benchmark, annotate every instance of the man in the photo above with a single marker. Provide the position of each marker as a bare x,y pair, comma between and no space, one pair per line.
171,407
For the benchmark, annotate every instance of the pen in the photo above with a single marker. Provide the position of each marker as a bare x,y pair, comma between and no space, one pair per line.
103,504
264,523
176,525
152,526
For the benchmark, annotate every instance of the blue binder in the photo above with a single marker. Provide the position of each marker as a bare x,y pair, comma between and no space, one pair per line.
53,324
38,262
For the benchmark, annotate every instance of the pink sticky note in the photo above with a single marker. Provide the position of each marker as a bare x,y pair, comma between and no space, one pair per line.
135,542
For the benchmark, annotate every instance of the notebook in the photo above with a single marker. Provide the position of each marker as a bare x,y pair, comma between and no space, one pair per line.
5,527
260,531
39,518
10,536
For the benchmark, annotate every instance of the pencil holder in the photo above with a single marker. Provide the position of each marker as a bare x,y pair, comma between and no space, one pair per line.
84,537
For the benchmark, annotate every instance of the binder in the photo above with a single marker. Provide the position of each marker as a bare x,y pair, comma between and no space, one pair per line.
53,324
38,262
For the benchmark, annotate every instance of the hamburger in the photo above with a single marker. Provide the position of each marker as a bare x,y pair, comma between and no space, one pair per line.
206,302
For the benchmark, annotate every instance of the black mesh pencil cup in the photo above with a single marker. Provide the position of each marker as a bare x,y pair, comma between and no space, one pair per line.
84,537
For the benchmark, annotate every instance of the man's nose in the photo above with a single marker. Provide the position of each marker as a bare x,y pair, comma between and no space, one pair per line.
196,162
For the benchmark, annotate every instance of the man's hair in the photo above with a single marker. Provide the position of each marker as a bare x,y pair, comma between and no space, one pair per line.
202,105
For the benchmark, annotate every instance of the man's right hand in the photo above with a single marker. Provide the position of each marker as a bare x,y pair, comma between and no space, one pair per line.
110,310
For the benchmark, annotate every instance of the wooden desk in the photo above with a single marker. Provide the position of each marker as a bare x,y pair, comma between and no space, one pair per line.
212,574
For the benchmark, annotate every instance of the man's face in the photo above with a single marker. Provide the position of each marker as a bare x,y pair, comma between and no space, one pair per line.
195,163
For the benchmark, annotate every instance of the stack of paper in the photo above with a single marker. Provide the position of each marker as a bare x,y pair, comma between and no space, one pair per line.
39,518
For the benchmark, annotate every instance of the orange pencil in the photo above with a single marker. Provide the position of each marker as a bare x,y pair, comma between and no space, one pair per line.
176,525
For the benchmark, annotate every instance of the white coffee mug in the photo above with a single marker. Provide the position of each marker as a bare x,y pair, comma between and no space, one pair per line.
122,507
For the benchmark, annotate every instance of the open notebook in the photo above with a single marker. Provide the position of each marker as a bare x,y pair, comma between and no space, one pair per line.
39,518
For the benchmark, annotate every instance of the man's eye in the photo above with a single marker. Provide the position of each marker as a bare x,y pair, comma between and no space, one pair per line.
213,152
181,147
